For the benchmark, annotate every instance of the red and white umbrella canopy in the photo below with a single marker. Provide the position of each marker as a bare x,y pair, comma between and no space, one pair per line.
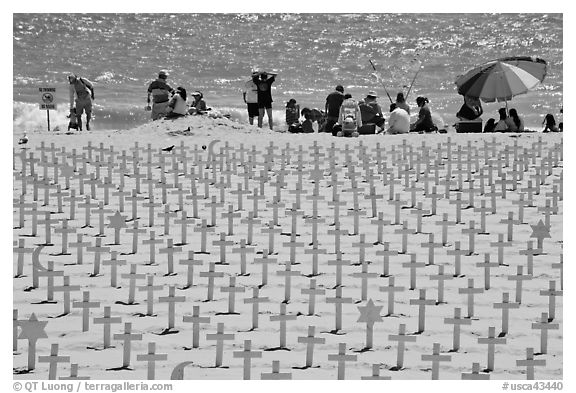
502,79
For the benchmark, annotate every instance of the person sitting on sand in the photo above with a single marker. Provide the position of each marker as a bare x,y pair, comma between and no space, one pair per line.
349,119
177,106
304,127
470,110
332,108
424,122
401,102
502,124
160,92
371,111
550,123
198,106
490,125
399,121
292,112
515,123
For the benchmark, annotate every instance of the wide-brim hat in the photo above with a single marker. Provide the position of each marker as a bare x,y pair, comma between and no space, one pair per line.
372,94
163,73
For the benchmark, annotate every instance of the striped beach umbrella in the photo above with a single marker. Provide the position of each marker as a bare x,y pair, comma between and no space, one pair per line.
502,79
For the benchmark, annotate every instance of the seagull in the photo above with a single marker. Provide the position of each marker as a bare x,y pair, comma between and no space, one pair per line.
23,140
169,148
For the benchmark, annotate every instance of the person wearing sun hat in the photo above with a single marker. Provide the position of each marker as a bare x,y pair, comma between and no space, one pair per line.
83,89
160,92
371,111
198,105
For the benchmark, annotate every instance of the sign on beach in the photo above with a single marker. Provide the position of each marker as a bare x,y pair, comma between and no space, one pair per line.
47,98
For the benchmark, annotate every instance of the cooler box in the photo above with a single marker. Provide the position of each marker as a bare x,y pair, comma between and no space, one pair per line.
469,126
367,129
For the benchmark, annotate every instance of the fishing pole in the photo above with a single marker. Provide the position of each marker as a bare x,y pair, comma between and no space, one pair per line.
373,67
413,80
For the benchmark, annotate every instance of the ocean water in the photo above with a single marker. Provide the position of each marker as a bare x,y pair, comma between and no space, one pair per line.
215,53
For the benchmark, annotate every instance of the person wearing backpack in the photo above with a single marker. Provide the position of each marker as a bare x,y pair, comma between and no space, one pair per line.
83,89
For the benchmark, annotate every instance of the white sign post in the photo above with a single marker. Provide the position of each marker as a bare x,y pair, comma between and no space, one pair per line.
47,98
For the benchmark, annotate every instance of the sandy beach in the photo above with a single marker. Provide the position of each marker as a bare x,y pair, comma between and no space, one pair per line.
214,154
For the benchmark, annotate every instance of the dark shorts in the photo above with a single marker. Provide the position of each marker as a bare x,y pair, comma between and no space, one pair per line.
267,105
252,109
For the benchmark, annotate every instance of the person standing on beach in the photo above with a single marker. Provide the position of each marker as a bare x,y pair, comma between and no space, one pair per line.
332,108
83,89
160,92
250,96
264,82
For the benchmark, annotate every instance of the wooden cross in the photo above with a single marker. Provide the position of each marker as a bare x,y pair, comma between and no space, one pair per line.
64,230
491,341
288,273
255,300
386,254
430,245
152,357
232,289
405,231
127,337
544,325
500,244
530,363
519,277
66,288
283,318
74,374
219,337
152,242
172,299
196,320
310,341
341,358
265,261
402,339
376,374
275,374
107,320
470,291
413,265
47,221
167,215
456,321
149,288
50,274
21,250
312,291
436,358
271,230
339,263
487,265
440,277
338,301
53,359
422,302
222,243
506,306
170,250
86,305
211,274
114,262
380,222
475,374
247,354
551,292
97,249
132,276
190,262
135,232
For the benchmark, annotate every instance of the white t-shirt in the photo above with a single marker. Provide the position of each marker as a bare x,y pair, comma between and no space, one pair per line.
399,122
251,91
